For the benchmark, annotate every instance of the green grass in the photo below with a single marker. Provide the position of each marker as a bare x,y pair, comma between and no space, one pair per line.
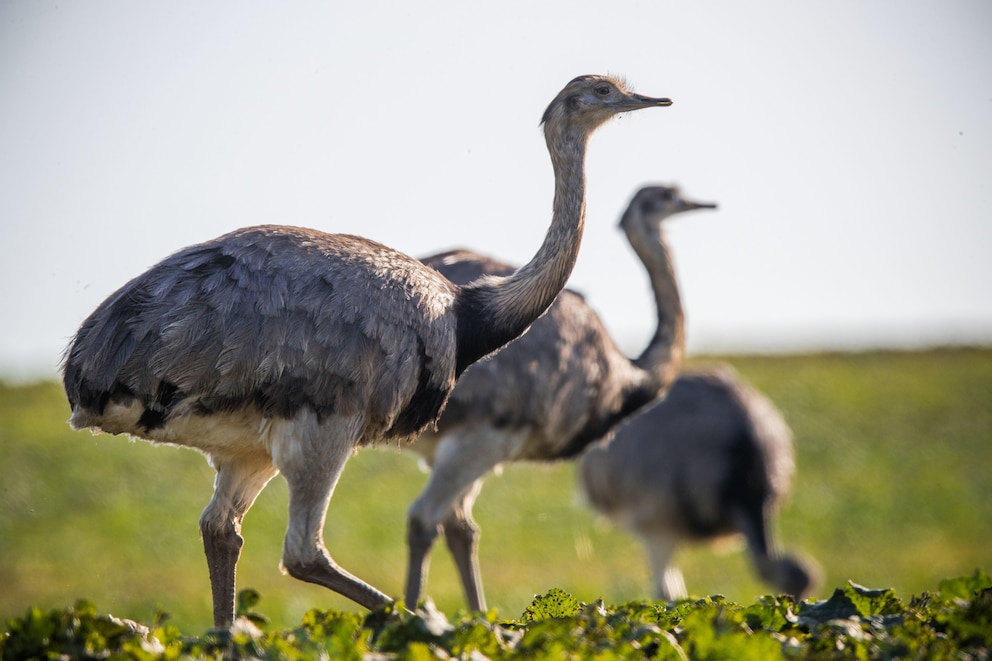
893,491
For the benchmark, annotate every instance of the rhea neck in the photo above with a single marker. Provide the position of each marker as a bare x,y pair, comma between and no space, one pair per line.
494,310
662,358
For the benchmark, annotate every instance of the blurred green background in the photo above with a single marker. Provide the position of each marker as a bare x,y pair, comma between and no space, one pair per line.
893,490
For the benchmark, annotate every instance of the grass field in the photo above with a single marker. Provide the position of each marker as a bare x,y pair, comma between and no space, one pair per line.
893,490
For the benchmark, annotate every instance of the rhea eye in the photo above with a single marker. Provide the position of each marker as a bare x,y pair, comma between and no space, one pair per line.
603,90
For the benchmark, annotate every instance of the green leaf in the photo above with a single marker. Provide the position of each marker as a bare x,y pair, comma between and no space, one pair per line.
854,601
965,587
770,613
555,604
838,607
247,600
873,602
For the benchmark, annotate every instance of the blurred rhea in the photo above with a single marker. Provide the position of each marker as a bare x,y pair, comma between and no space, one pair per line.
713,458
545,396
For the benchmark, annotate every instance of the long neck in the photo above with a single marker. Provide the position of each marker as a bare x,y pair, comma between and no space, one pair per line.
661,360
493,311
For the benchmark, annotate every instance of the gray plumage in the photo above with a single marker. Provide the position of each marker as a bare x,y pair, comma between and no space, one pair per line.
545,396
280,349
713,458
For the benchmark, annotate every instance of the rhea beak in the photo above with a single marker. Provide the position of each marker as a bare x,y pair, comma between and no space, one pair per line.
637,101
689,205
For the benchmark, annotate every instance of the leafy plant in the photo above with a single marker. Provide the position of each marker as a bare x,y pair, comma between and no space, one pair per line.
556,603
854,623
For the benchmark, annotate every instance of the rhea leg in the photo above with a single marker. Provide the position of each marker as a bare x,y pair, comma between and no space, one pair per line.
238,483
311,457
459,461
668,581
752,522
786,573
462,536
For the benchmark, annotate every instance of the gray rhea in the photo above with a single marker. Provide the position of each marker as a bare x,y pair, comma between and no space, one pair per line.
544,396
281,349
713,458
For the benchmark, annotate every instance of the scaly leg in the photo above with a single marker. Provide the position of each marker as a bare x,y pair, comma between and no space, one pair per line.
239,481
312,456
462,536
459,461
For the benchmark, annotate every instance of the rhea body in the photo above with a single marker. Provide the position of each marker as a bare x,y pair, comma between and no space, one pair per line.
281,349
543,397
714,458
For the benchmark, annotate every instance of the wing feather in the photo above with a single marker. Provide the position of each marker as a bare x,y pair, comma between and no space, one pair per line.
273,316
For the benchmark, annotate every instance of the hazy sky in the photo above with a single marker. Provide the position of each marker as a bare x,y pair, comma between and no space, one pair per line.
848,144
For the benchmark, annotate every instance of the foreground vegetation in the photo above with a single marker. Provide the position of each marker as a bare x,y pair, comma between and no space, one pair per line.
893,455
854,623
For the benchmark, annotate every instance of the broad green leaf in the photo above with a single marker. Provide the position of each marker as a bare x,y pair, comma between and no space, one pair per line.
873,602
965,587
554,604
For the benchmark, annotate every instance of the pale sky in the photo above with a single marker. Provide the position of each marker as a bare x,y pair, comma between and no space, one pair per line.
848,144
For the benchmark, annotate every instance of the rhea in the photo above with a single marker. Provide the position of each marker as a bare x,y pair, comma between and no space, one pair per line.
713,458
279,349
543,397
